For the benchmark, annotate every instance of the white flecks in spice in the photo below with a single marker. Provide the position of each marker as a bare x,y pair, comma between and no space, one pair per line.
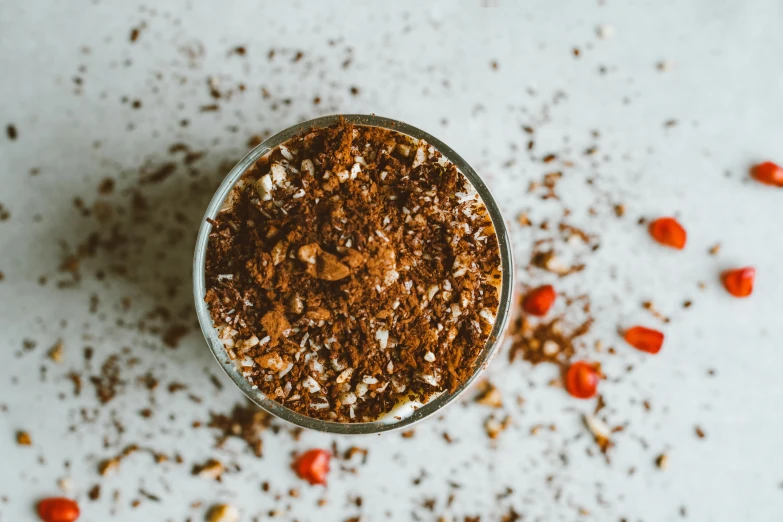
429,357
264,187
487,315
344,376
308,167
311,385
383,338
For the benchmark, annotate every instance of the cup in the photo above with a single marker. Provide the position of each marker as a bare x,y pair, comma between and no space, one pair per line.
387,422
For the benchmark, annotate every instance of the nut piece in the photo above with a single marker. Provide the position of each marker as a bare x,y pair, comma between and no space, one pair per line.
322,265
23,438
211,469
109,465
271,361
308,253
275,323
223,513
662,461
494,428
56,352
490,396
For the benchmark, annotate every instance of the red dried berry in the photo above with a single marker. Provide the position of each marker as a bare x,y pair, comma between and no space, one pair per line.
58,509
539,300
668,232
581,380
768,173
313,466
644,339
739,282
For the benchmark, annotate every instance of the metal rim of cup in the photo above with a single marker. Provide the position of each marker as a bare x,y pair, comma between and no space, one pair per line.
231,368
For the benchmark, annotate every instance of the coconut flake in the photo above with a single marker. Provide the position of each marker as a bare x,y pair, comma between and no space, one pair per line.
311,384
383,337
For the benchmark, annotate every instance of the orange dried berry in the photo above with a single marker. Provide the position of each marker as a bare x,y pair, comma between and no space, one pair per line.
539,300
313,466
58,509
768,173
668,232
581,380
739,281
644,339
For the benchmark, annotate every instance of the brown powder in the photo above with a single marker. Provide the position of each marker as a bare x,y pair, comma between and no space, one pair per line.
353,270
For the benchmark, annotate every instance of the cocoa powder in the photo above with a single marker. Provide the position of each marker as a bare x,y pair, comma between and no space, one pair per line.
352,269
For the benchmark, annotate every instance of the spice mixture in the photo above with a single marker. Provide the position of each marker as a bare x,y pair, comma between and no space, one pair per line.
351,270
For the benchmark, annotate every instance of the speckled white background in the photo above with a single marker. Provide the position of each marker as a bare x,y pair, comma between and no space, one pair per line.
428,64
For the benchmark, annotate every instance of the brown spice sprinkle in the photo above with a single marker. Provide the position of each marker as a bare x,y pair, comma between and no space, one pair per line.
23,438
353,269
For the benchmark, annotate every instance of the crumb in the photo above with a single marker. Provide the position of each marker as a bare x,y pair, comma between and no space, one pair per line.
23,438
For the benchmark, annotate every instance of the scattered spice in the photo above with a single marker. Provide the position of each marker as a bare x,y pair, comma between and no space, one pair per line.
662,461
489,395
211,469
246,422
23,438
56,352
739,281
600,431
545,341
668,232
644,339
11,131
293,303
495,427
223,513
714,249
95,492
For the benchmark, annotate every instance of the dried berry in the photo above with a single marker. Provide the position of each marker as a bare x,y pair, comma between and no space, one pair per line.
739,281
768,173
540,300
581,380
644,339
668,232
58,509
313,466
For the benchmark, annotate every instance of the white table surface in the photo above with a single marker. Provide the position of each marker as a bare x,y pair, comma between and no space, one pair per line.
429,64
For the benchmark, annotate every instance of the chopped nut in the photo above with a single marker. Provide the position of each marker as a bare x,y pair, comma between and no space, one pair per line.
108,466
662,461
23,438
600,431
490,395
223,513
271,361
275,323
494,428
56,351
211,469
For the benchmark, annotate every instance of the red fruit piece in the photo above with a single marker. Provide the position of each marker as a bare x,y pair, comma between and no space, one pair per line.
58,509
581,380
668,232
739,282
768,173
313,466
644,339
539,300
